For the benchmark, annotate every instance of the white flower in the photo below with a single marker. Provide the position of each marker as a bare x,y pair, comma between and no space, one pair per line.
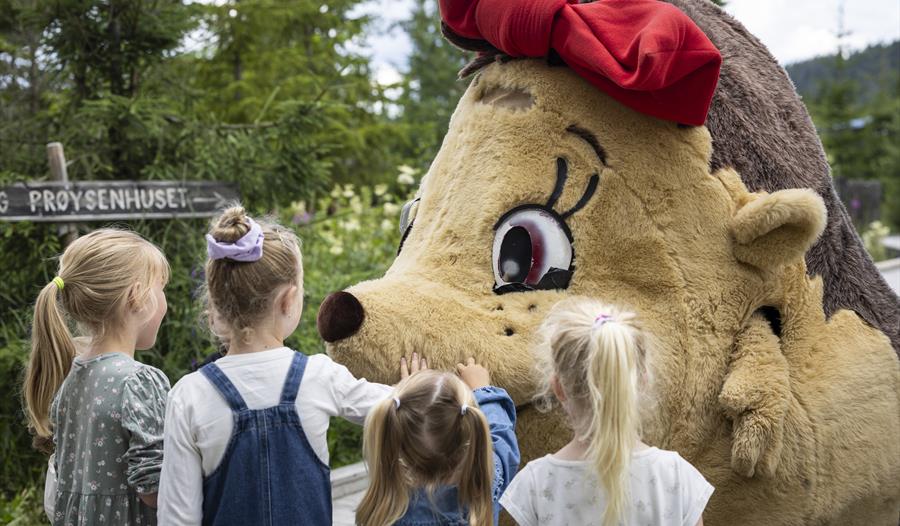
351,225
405,178
380,189
391,209
336,191
356,205
348,191
387,225
336,250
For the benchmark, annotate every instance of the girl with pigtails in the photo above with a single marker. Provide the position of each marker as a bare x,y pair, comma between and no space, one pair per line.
103,410
594,362
440,451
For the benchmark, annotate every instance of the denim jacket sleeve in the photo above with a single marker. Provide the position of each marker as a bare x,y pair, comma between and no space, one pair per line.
500,411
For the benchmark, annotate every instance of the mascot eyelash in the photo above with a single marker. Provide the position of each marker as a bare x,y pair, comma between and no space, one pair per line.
533,243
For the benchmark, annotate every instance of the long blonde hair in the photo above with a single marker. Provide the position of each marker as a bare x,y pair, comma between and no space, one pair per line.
240,293
426,440
597,353
102,272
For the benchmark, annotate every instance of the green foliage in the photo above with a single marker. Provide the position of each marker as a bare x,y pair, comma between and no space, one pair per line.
872,237
24,509
430,87
860,133
264,52
271,99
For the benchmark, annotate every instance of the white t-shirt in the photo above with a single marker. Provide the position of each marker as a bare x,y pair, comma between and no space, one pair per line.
665,490
199,421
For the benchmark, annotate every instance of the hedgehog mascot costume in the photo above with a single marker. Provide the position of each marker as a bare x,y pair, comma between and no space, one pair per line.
652,155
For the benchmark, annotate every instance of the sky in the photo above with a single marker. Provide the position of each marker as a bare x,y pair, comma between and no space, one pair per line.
793,30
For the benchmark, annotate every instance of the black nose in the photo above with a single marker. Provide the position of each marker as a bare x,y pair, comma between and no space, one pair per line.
340,316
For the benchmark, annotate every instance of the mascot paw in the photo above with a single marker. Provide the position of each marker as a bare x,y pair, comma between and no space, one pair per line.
756,445
754,397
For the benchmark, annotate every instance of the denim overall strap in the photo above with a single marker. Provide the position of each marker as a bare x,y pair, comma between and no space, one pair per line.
293,378
269,474
222,384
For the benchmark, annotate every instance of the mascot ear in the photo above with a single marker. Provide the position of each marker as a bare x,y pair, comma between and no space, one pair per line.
774,229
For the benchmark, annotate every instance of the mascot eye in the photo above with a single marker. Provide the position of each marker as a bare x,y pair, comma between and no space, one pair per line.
532,251
408,214
407,217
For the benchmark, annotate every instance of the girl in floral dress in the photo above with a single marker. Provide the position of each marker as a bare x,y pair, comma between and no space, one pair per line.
103,410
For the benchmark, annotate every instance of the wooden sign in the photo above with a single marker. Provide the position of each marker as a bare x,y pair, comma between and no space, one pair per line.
59,201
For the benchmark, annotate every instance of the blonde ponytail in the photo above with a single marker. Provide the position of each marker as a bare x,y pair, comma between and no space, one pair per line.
613,430
99,275
387,497
597,354
423,438
52,351
477,468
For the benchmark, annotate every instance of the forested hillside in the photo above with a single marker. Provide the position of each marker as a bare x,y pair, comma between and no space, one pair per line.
855,103
871,68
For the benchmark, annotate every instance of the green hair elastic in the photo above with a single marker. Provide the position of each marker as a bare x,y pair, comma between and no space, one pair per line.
58,281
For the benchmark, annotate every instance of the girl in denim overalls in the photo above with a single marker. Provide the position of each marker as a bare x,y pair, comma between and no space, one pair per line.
245,436
440,451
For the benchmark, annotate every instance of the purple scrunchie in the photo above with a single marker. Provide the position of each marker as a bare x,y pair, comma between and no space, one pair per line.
247,248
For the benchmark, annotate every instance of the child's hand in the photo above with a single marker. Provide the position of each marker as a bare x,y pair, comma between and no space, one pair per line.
417,364
473,375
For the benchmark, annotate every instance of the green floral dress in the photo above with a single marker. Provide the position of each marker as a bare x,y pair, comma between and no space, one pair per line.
108,429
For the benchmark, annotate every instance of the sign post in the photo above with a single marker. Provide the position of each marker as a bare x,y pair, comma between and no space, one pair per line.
58,171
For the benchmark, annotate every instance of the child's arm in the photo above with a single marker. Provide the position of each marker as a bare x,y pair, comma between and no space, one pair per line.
694,491
353,397
150,499
518,499
50,488
181,481
500,411
143,415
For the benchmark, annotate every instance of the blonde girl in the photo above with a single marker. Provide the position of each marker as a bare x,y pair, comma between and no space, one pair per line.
103,409
440,450
594,363
245,438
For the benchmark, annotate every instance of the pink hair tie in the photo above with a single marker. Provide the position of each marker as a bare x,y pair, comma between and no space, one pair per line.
601,319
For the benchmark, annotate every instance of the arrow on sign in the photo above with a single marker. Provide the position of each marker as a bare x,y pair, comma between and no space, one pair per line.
218,199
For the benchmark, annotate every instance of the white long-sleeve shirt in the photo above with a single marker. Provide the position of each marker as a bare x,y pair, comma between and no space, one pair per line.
199,421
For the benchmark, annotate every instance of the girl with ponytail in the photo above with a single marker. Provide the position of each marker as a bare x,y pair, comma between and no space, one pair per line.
102,409
440,451
594,362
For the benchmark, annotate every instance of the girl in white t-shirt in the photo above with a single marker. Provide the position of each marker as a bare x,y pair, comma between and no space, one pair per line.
593,362
245,436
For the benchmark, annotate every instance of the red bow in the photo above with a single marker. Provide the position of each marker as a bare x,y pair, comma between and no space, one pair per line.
646,54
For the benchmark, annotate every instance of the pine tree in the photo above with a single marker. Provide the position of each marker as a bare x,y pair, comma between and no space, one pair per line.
430,86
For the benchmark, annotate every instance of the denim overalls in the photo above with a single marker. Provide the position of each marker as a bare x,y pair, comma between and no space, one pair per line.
269,474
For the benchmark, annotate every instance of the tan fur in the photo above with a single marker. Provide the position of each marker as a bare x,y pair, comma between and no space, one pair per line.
813,417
